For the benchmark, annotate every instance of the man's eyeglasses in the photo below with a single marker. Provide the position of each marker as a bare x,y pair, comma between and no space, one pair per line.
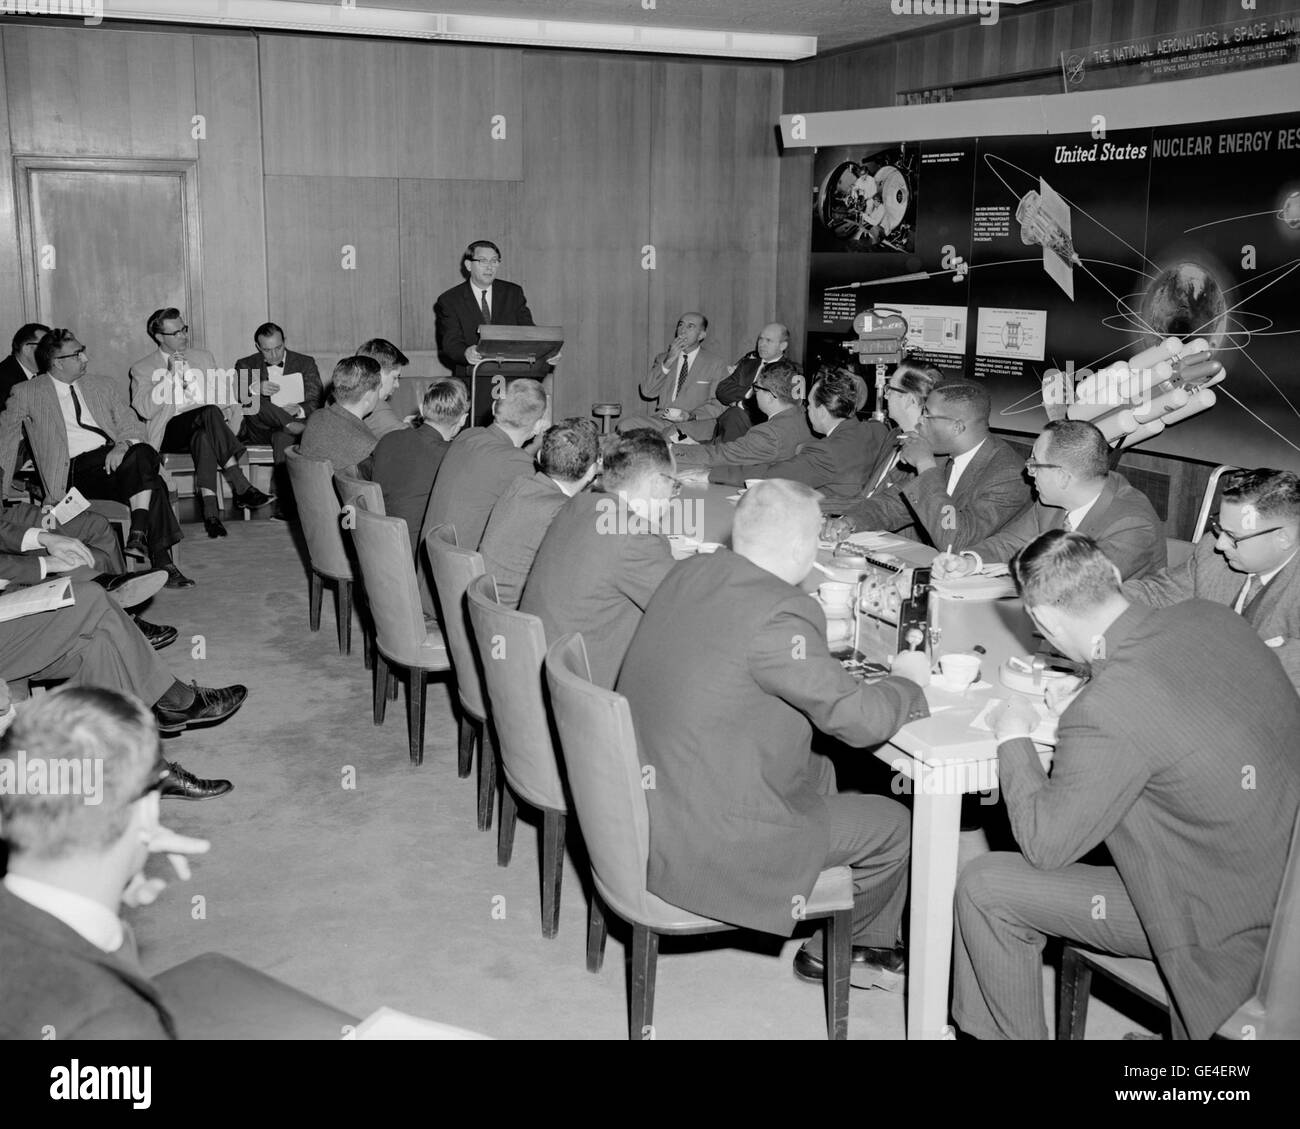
174,332
1034,466
157,774
1236,538
675,484
927,414
64,356
487,262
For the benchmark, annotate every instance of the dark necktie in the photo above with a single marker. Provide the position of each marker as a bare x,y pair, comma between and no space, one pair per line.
483,302
945,469
129,952
681,378
76,411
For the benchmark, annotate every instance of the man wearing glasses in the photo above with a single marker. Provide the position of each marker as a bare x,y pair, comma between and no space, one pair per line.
1249,560
20,365
1077,493
482,299
191,410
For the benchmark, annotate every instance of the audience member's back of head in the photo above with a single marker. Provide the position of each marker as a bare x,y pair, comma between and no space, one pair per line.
632,459
1079,447
354,377
775,514
569,449
444,402
965,400
521,405
1066,571
75,733
386,353
837,393
779,378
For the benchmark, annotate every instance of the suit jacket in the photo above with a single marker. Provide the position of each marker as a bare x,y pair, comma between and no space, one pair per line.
990,492
54,977
515,530
737,385
772,441
836,464
1274,612
1149,761
91,529
594,574
1121,521
478,466
698,394
36,404
11,374
334,433
405,464
881,504
725,715
459,316
154,400
313,389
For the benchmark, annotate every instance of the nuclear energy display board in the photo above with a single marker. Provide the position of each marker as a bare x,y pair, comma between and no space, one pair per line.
1009,256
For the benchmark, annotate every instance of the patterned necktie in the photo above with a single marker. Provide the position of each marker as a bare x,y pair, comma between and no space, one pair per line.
681,378
81,423
483,302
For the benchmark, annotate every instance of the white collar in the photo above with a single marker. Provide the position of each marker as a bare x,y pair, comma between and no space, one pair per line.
25,369
962,461
1076,516
85,916
1265,577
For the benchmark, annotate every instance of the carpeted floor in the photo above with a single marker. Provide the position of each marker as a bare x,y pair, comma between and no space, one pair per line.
384,892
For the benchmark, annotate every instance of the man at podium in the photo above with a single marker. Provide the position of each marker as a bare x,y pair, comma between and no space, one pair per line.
482,299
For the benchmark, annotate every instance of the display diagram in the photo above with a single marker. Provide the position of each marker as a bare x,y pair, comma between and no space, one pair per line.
867,202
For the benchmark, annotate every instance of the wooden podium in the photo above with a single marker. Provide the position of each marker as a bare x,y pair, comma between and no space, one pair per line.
509,352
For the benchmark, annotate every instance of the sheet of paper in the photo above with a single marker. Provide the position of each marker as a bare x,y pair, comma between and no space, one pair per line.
1044,733
43,597
389,1023
291,393
73,504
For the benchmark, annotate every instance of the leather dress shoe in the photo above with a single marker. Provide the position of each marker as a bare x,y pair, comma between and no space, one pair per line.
210,707
160,635
870,968
251,498
132,588
214,527
137,545
176,578
186,786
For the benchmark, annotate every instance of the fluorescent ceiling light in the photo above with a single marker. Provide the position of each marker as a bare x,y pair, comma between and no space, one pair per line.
336,18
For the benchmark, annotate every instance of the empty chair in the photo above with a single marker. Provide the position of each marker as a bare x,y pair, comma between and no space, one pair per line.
604,775
1273,1012
453,568
512,646
401,637
318,513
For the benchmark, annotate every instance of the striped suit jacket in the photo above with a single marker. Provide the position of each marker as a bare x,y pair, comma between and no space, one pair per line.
36,404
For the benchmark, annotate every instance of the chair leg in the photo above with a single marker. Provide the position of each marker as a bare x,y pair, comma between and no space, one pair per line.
506,828
382,676
487,775
368,647
595,934
315,593
645,956
465,754
839,960
552,869
343,610
415,712
1072,996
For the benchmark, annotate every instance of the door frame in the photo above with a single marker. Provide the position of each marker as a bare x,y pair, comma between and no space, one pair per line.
186,171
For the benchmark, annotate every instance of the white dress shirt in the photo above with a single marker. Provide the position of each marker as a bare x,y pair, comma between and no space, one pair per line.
80,441
959,464
94,922
1074,518
1263,578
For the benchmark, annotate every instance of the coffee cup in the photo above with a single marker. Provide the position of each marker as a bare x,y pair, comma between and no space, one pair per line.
835,595
959,669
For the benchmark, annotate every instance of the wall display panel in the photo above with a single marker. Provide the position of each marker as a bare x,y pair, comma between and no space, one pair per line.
1013,255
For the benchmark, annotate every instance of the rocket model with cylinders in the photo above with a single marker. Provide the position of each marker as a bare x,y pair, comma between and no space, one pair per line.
1130,401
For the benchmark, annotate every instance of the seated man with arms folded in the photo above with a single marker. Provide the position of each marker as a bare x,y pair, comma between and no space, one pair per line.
1075,493
783,432
569,456
1149,762
391,361
727,676
838,463
338,431
406,461
603,555
482,461
1249,561
881,506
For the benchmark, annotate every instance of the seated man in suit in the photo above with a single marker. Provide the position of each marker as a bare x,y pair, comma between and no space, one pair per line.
83,434
1149,762
1249,561
837,464
483,461
567,462
172,389
978,487
20,365
682,382
1075,492
881,505
391,361
727,677
603,556
736,414
338,431
784,430
72,970
405,462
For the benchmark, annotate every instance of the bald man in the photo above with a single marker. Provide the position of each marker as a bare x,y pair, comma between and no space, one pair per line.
727,676
741,414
